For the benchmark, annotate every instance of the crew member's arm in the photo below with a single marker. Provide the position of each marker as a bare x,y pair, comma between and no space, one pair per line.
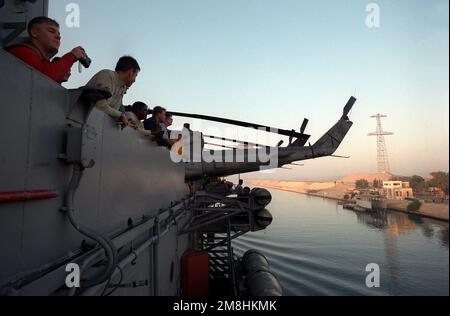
104,80
55,70
103,105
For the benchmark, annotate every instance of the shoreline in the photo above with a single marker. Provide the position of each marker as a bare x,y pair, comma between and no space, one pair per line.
437,218
333,198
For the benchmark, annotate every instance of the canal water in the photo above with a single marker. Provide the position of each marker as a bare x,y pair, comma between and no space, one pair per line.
315,247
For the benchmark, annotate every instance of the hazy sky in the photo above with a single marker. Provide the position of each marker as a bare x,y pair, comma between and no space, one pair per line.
275,62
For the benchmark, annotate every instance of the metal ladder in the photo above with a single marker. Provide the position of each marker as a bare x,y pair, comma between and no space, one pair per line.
221,257
216,221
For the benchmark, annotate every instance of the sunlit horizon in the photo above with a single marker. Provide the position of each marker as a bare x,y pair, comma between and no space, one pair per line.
277,62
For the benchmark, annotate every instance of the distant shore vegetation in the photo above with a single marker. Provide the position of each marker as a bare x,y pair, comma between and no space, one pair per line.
439,180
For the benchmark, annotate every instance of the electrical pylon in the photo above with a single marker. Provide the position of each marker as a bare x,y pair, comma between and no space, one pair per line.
382,155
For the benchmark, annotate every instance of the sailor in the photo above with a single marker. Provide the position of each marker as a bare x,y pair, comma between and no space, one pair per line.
117,83
165,126
43,44
153,124
138,113
166,139
239,190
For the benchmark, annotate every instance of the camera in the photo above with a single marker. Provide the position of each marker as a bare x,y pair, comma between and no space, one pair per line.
85,61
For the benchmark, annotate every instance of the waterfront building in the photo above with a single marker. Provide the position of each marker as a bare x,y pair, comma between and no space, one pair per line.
397,190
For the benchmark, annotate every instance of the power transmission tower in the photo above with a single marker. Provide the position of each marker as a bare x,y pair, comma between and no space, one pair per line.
382,155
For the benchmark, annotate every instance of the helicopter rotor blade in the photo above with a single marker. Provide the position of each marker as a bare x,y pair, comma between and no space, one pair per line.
242,124
348,107
304,125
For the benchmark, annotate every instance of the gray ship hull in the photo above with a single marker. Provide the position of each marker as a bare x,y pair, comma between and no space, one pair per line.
133,179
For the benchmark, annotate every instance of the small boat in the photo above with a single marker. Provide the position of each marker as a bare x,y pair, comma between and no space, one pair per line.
348,206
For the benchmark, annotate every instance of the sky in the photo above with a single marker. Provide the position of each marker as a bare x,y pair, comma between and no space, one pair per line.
275,62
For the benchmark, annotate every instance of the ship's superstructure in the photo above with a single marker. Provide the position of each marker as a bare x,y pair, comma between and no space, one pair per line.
78,191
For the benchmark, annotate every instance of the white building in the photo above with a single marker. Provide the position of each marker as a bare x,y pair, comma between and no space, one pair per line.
397,190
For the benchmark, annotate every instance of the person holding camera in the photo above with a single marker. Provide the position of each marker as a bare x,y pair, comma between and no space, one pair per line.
42,44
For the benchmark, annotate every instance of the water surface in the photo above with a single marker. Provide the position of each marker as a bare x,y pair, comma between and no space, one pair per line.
315,247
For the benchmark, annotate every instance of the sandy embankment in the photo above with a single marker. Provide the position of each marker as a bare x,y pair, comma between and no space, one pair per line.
332,190
431,210
337,190
329,189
